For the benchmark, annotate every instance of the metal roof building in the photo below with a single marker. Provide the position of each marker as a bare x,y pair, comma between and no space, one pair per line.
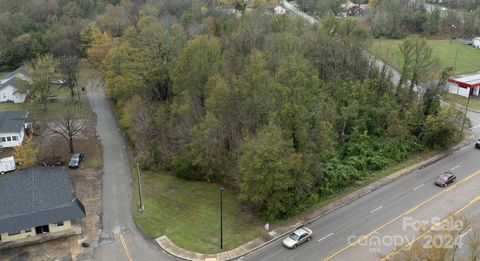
35,197
465,85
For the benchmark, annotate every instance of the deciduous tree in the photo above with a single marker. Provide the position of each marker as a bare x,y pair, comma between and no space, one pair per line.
42,71
26,154
68,128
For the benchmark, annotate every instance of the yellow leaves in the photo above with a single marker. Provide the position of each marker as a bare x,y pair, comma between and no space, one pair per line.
128,111
26,154
99,43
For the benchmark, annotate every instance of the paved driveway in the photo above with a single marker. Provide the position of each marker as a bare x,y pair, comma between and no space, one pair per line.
120,239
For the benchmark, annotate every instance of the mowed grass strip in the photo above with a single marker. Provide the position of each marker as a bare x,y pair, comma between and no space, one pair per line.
460,100
189,213
468,58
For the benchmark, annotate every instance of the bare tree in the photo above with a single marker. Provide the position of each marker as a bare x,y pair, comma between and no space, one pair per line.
67,128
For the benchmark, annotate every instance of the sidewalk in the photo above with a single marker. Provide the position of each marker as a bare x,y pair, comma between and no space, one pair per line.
280,232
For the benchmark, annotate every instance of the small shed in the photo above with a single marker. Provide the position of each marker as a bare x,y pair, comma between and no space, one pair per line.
279,10
476,42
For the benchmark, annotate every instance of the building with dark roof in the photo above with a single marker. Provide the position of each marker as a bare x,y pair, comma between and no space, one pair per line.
35,201
13,125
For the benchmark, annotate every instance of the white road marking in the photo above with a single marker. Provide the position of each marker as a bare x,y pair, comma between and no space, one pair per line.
464,233
417,187
376,209
455,167
329,235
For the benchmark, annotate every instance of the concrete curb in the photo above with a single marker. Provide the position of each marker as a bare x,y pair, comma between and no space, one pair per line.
259,243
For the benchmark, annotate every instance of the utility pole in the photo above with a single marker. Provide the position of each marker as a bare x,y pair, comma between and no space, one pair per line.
466,109
455,68
221,217
142,208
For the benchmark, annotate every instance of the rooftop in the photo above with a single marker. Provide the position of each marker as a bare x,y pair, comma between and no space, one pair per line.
37,196
467,81
12,121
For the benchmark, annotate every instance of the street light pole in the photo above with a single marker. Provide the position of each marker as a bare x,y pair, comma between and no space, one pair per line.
221,217
466,109
142,208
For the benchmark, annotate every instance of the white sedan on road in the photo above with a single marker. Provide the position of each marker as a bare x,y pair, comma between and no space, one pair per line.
298,237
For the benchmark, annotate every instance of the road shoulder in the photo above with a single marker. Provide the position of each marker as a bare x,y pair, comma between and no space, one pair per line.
282,231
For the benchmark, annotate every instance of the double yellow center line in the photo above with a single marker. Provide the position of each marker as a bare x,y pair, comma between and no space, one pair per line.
124,244
393,253
403,215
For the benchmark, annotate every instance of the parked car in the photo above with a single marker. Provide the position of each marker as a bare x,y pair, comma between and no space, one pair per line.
445,179
298,237
51,161
75,160
477,144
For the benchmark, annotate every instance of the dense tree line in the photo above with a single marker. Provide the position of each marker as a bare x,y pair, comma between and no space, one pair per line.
321,7
399,18
285,112
32,27
467,5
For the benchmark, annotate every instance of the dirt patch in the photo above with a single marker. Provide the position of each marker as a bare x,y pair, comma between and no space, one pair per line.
87,184
86,141
52,250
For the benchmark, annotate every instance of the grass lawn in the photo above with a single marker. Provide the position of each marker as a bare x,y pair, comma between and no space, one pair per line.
189,212
453,98
468,58
54,110
87,143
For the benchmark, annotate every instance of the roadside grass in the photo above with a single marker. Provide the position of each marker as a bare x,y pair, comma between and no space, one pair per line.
453,98
189,213
468,58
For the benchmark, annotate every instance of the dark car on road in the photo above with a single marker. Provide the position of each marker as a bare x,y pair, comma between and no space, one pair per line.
445,179
477,144
75,160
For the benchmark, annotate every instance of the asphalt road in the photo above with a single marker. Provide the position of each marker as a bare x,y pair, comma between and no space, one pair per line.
120,239
336,230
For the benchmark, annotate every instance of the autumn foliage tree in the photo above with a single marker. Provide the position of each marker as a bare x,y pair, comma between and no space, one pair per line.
282,111
26,154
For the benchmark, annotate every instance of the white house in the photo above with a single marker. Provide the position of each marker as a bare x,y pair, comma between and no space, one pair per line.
13,125
9,87
279,10
476,42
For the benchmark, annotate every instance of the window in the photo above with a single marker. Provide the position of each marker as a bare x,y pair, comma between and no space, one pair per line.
14,233
3,139
9,138
59,224
14,138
